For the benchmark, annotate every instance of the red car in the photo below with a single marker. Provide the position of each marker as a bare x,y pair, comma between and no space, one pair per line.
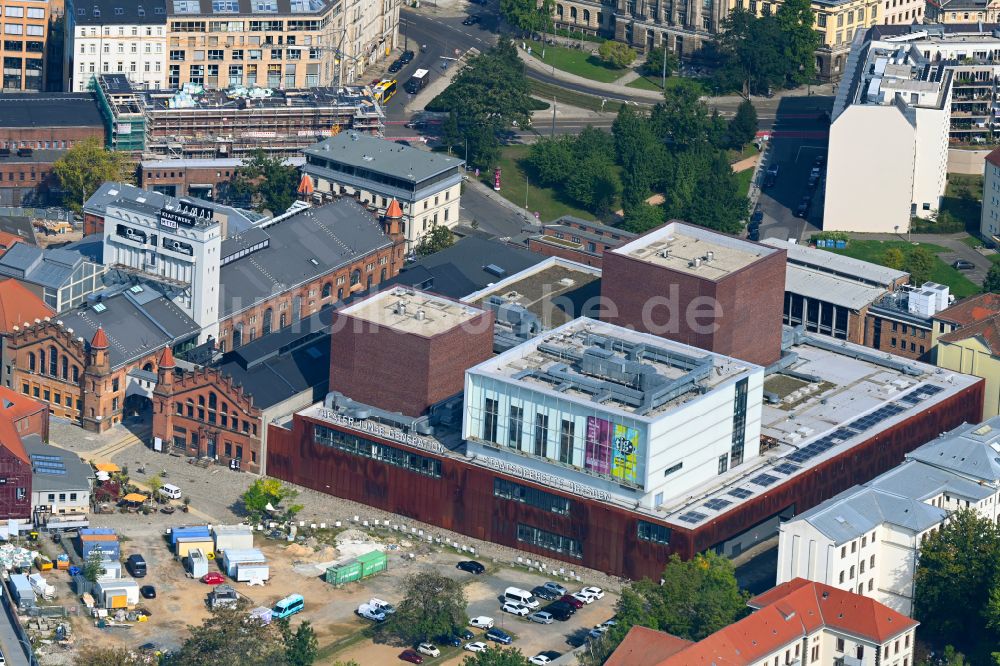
411,656
572,601
213,578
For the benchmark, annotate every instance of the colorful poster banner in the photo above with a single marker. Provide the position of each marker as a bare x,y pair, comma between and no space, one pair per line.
598,451
626,444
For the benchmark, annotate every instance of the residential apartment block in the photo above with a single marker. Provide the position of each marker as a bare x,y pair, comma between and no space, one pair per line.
25,44
798,622
276,43
115,36
867,539
989,216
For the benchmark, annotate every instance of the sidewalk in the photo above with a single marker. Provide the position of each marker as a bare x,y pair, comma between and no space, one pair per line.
493,195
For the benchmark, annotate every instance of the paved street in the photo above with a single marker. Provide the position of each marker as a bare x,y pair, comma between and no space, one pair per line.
12,650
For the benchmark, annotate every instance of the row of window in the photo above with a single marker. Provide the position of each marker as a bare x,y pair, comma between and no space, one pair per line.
18,29
180,55
557,543
222,417
106,67
62,497
12,11
530,496
251,26
121,29
133,48
909,330
654,533
54,399
376,451
860,570
53,365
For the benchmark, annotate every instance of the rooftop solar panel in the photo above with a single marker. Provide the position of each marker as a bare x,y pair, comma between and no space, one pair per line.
764,480
740,493
786,468
717,503
692,517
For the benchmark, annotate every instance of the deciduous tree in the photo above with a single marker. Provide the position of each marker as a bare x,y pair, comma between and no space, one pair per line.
88,165
616,54
893,257
497,656
266,181
919,264
263,492
438,239
529,16
112,656
433,605
231,636
643,217
301,646
743,127
992,281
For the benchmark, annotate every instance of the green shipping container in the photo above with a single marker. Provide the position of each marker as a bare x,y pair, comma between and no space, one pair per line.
372,563
344,573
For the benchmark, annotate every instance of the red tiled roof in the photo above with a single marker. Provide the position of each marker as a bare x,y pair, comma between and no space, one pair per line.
15,406
166,358
100,339
11,440
971,310
394,210
7,240
306,184
987,330
786,614
643,646
994,157
18,304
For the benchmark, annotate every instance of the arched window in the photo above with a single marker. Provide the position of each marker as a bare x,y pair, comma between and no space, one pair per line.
201,401
76,374
268,316
148,367
340,294
53,361
586,16
382,276
327,290
283,320
572,13
41,361
31,362
355,277
559,12
212,404
237,337
65,368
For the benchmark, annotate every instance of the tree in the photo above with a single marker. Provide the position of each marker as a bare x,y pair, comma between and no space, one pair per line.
88,165
552,160
919,264
799,40
93,567
112,656
743,127
653,66
451,134
616,54
594,185
497,656
642,218
529,16
957,580
263,492
231,636
683,119
893,257
992,281
438,239
155,483
301,646
267,182
433,605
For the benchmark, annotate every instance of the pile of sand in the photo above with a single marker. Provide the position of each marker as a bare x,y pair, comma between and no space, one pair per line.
297,550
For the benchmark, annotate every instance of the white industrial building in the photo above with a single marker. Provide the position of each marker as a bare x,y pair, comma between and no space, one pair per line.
867,539
888,153
634,415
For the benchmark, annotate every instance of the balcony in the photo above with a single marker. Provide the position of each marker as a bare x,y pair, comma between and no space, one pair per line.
848,661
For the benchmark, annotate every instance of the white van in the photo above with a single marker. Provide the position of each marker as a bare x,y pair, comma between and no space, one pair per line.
520,596
170,490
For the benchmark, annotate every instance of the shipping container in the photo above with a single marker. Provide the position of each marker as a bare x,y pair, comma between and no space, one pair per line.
21,590
110,569
262,614
109,550
186,544
233,557
344,573
196,563
373,563
188,530
117,593
232,537
248,571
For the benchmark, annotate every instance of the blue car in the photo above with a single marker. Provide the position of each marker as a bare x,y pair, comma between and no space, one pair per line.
499,636
459,639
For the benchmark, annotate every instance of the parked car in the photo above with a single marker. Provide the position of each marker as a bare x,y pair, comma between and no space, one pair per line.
457,639
584,597
481,622
756,218
147,592
754,234
411,656
555,587
478,646
395,67
406,57
598,631
803,208
819,161
471,566
499,636
429,649
560,610
595,592
572,601
470,20
539,660
515,609
541,617
213,578
382,606
963,265
369,613
136,565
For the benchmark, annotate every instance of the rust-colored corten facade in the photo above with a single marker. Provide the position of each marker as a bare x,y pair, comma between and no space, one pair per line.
203,414
750,301
403,371
74,378
461,497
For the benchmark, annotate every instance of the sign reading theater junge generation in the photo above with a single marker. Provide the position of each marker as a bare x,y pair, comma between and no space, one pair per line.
381,430
553,480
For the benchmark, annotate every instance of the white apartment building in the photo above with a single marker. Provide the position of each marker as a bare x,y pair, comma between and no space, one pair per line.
867,539
989,217
631,414
119,37
888,153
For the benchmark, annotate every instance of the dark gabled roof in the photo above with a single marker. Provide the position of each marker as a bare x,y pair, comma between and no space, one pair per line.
77,473
460,270
49,268
114,12
49,110
19,226
300,249
383,156
136,323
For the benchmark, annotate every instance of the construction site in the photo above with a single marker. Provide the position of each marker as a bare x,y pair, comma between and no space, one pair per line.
196,123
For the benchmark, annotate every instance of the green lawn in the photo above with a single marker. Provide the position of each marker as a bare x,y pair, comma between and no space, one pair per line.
960,207
576,61
543,200
942,273
545,91
653,83
745,177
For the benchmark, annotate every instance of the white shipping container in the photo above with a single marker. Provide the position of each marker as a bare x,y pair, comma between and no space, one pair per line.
232,557
232,537
247,571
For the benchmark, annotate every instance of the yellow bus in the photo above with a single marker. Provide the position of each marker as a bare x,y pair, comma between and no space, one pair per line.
384,90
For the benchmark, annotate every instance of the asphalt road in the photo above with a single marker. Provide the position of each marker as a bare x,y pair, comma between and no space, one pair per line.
797,138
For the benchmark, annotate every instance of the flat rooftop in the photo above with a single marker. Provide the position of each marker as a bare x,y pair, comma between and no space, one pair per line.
837,264
695,250
410,311
556,290
621,370
834,396
828,288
